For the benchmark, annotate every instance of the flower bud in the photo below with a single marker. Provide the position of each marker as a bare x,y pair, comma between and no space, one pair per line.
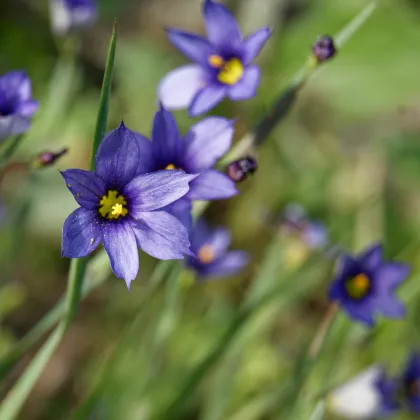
240,169
45,159
324,48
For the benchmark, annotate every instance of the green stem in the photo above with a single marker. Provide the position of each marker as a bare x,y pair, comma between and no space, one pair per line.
11,149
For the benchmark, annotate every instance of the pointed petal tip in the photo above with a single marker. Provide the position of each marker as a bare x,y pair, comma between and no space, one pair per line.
128,284
122,125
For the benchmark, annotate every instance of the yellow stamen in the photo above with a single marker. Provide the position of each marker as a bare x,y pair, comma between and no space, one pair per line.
170,167
358,286
231,72
112,206
206,254
216,61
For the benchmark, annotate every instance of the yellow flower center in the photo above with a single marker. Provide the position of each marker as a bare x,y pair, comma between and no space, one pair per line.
113,206
358,286
206,254
231,71
170,167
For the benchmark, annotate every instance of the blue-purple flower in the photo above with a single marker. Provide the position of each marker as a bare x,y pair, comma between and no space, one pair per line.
16,104
411,383
123,209
212,258
222,63
195,153
72,15
365,285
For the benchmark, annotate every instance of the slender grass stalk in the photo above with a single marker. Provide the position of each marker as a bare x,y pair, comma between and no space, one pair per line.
319,411
17,396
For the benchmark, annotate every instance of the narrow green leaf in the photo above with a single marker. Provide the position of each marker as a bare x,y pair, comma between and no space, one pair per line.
102,119
319,412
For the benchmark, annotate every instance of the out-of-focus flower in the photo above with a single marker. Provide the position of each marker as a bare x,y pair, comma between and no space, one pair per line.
368,395
411,383
122,209
222,64
324,48
195,153
365,285
240,169
16,104
212,258
72,15
45,159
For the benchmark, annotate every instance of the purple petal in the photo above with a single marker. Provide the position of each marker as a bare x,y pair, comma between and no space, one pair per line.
181,209
219,240
390,307
206,99
253,44
360,311
372,257
221,26
18,84
146,159
389,276
347,266
120,245
161,235
179,87
156,190
28,108
81,234
166,140
13,125
212,185
117,158
206,142
199,235
194,47
246,87
227,265
86,187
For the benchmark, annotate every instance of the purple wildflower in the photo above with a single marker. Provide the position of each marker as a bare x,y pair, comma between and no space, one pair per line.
411,383
72,15
366,284
123,209
195,153
212,257
16,104
222,64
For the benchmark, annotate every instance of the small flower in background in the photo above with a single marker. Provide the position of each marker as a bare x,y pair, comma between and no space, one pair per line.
45,159
324,48
368,395
240,169
411,383
16,104
122,209
365,285
222,64
195,153
306,235
72,15
212,258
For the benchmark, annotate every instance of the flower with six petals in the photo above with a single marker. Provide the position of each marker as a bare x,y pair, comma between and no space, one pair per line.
212,258
365,285
122,209
222,64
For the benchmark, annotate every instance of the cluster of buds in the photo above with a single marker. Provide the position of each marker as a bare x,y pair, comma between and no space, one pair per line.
324,48
240,169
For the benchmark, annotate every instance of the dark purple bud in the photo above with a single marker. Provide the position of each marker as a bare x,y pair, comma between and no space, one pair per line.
45,159
324,48
240,169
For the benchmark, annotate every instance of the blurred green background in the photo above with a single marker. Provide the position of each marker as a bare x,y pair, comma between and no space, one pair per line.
349,152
